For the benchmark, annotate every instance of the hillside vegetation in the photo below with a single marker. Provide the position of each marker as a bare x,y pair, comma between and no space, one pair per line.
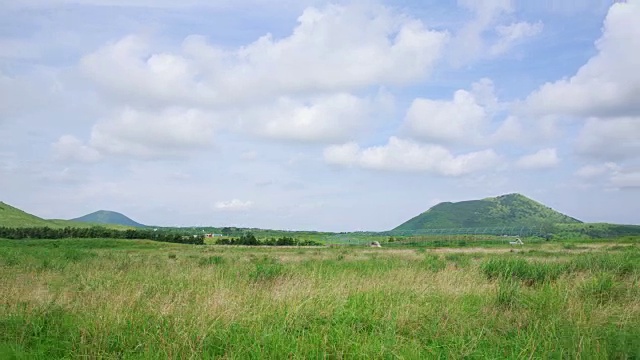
16,218
595,231
505,210
107,217
12,217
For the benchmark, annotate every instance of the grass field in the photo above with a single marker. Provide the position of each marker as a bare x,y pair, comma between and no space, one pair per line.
124,299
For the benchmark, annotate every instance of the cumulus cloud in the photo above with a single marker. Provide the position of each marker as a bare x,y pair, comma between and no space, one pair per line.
299,87
148,134
615,175
626,179
70,148
129,70
511,130
544,131
335,48
460,120
512,34
323,119
543,159
605,91
610,139
608,85
594,171
163,4
408,156
234,205
485,35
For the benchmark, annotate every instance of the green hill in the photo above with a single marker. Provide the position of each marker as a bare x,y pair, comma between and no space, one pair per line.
505,210
104,217
16,218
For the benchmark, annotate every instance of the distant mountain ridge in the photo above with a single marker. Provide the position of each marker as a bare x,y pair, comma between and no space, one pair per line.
504,210
107,218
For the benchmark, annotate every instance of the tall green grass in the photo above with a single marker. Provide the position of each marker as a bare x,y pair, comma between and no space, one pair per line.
105,299
536,271
520,269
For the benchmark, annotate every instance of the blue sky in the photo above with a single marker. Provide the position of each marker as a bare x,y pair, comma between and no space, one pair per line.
346,115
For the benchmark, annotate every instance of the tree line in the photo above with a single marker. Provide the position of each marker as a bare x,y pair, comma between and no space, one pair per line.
250,240
97,232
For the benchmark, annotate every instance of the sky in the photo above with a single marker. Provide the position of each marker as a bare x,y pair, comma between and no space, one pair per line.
317,115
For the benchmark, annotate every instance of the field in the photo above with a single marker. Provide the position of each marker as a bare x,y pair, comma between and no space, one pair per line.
129,299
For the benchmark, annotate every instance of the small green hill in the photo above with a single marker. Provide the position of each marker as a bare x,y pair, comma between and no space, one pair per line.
13,217
104,217
505,210
16,218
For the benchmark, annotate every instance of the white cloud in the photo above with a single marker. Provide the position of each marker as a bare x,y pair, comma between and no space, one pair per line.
543,159
510,35
611,139
129,70
214,104
460,120
594,171
148,134
234,205
336,48
488,9
299,87
626,179
511,130
324,119
158,4
608,85
485,36
604,91
406,155
70,148
616,176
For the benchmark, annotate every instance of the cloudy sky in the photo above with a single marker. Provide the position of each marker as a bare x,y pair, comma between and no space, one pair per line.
317,115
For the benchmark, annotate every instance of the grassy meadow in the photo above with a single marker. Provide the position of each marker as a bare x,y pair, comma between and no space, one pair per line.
126,299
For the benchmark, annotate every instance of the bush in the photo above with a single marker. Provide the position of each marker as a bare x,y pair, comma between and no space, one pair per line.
248,239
